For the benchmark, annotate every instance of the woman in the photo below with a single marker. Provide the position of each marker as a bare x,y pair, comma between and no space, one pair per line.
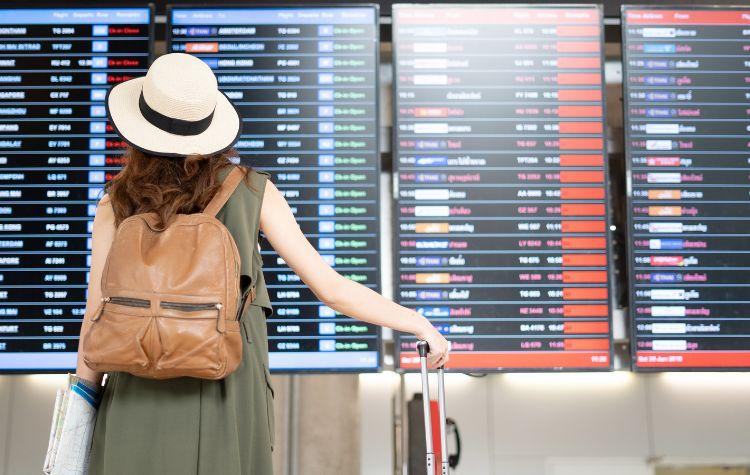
180,129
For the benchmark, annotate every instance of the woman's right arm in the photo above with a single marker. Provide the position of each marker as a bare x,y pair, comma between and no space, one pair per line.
336,291
101,240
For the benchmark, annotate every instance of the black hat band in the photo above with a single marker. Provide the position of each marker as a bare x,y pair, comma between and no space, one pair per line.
170,124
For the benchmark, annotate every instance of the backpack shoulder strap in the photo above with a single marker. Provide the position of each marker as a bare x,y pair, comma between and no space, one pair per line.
227,188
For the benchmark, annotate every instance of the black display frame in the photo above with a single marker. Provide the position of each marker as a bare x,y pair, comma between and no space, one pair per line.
151,56
301,6
628,189
608,200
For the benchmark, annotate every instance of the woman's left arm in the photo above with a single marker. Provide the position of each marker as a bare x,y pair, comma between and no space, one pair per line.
341,294
101,240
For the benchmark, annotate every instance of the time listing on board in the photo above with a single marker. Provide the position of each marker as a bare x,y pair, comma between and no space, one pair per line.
501,188
687,87
305,82
57,150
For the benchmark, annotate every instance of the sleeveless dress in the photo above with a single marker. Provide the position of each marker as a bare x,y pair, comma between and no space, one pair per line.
196,426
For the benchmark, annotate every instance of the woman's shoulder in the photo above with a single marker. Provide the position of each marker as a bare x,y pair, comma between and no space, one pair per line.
250,171
257,174
255,179
252,188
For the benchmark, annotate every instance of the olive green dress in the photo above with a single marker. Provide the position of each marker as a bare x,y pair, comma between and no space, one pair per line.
196,426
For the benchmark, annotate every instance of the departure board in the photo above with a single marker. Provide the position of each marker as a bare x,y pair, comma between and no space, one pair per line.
687,92
501,184
56,152
305,82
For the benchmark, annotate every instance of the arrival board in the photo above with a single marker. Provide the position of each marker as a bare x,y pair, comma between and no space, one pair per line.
687,78
56,152
305,82
501,218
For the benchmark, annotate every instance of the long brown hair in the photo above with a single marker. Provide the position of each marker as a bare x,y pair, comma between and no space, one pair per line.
166,185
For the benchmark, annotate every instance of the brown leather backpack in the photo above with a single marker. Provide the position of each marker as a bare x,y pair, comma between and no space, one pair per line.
171,298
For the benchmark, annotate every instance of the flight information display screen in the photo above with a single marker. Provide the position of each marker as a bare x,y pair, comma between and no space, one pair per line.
501,218
56,152
687,91
305,82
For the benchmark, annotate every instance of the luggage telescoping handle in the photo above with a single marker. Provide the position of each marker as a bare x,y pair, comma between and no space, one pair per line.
422,349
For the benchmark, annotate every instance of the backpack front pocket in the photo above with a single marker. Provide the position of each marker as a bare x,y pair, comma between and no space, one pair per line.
188,336
117,339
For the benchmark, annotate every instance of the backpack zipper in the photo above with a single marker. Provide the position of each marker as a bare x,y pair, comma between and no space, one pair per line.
190,307
143,303
129,301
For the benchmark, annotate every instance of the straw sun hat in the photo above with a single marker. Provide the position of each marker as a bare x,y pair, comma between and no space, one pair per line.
176,109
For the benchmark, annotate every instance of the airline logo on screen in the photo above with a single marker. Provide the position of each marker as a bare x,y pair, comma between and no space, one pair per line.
57,150
502,190
686,94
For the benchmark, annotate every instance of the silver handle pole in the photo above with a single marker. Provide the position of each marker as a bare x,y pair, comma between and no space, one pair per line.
422,349
443,436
